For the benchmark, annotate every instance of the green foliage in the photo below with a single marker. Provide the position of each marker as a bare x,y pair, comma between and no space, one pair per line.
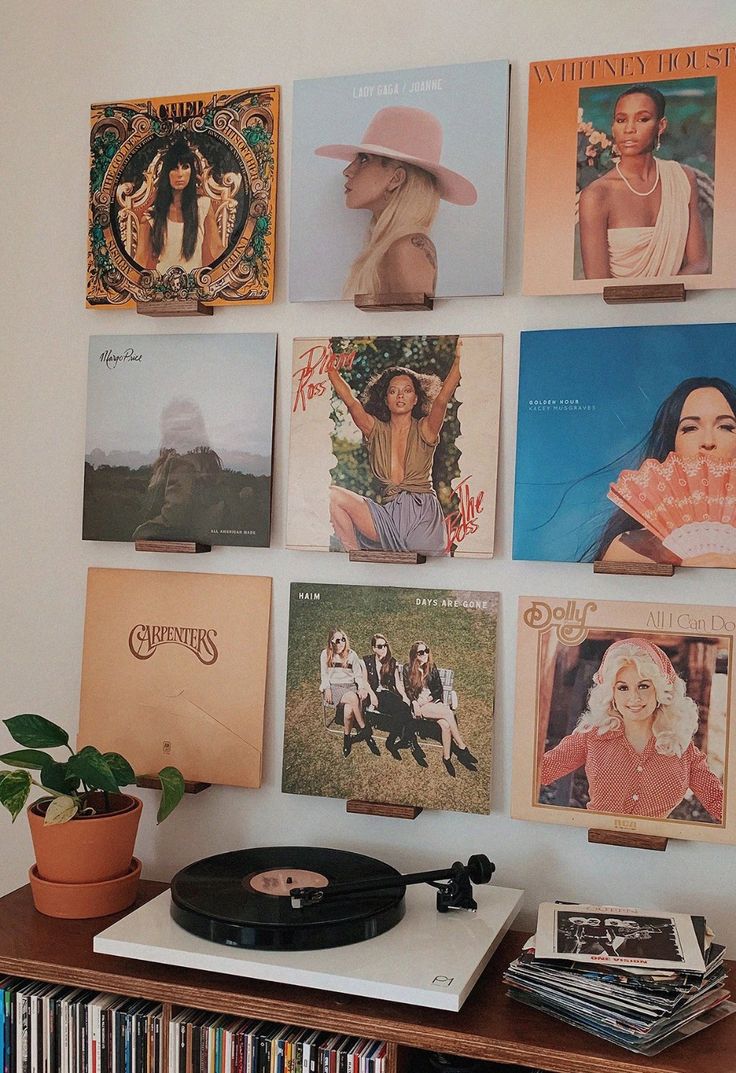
70,781
115,500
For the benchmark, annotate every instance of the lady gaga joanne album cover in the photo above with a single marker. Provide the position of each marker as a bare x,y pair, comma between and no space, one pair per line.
398,183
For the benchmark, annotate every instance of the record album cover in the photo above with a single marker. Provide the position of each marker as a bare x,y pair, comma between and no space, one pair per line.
394,444
182,198
390,694
626,445
614,935
623,717
398,182
174,671
179,434
631,170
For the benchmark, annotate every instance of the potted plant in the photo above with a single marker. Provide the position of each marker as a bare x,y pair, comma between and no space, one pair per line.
83,827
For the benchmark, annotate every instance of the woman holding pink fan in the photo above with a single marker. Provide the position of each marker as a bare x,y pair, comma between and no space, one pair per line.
680,505
634,738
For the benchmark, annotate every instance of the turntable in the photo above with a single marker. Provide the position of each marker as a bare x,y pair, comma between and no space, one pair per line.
328,919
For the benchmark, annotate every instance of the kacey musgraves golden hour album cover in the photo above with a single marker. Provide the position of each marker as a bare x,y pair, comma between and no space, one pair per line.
182,198
631,170
394,444
623,717
174,671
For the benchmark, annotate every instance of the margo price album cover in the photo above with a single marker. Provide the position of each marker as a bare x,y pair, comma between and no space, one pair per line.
179,434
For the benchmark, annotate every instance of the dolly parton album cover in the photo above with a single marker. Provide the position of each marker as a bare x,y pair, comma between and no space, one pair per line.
394,444
182,198
179,433
398,183
631,171
174,671
390,694
623,717
626,446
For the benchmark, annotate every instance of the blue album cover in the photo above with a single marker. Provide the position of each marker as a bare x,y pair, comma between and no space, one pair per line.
626,445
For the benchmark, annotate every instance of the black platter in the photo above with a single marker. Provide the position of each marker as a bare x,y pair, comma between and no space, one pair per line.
237,898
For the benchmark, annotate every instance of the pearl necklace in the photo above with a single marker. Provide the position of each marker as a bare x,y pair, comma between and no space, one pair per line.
640,193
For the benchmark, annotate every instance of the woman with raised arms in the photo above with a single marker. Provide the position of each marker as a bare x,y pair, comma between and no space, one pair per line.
400,414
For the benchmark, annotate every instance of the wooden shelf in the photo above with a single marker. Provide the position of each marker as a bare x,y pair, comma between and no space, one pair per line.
489,1026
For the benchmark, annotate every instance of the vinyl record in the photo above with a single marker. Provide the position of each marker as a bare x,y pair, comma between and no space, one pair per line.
242,898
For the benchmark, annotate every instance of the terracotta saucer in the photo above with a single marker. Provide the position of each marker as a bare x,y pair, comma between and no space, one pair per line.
77,901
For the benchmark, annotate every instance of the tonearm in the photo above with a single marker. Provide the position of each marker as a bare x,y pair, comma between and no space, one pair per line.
454,885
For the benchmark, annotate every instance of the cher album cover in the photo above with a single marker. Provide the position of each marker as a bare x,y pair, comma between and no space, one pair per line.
398,183
623,717
182,198
394,444
390,694
174,671
631,171
179,434
626,446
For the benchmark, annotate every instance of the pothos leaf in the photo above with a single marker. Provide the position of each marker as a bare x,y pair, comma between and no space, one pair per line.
33,759
15,787
36,732
172,791
91,767
121,770
60,810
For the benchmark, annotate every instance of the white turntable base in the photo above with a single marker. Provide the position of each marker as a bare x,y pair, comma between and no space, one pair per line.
428,959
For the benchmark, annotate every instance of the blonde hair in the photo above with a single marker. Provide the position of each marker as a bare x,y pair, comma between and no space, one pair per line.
333,660
412,208
675,717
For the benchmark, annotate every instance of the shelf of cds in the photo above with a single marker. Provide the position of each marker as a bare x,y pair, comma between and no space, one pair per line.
82,1012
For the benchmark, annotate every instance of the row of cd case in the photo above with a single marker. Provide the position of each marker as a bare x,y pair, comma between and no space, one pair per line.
612,455
73,1030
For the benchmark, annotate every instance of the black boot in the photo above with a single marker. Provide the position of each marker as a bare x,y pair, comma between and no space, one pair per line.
466,758
449,767
347,744
417,752
371,742
391,746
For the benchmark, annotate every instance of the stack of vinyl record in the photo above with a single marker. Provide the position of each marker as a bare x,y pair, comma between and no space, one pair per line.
642,979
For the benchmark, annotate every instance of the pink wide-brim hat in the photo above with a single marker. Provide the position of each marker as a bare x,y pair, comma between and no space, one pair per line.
413,136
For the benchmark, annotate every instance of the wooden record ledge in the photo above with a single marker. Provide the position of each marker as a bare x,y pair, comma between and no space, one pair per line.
489,1026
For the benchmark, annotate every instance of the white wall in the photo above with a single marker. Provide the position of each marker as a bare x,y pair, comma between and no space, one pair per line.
62,56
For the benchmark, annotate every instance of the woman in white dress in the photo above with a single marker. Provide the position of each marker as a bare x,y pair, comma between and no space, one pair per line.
641,219
180,229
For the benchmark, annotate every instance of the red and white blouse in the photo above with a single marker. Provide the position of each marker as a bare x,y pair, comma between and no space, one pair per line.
629,783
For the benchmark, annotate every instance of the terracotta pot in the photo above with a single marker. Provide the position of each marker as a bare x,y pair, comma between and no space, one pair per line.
87,849
77,901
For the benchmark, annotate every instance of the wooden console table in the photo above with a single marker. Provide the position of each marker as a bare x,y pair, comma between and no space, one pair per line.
489,1026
